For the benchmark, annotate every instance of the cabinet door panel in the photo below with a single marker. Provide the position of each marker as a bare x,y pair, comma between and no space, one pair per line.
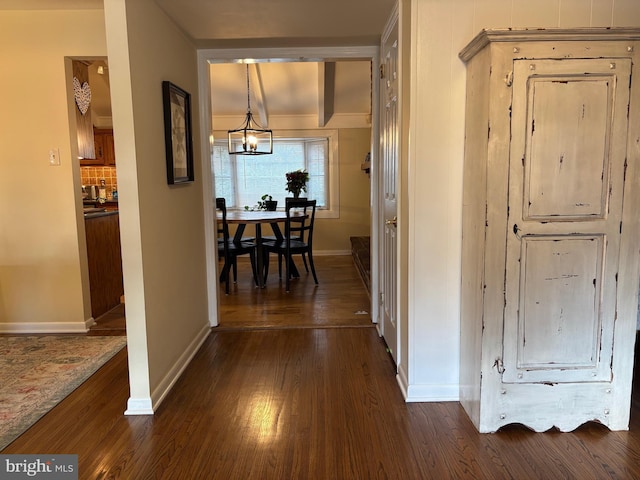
566,177
104,148
570,119
559,315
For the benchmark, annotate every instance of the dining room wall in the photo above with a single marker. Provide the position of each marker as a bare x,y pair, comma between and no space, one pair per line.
331,235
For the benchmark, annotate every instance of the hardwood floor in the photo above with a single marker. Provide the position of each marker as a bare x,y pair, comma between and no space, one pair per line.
111,323
307,403
340,299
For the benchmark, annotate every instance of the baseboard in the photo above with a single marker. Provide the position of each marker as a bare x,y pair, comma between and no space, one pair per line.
427,392
316,253
327,253
169,380
47,327
401,378
139,406
433,393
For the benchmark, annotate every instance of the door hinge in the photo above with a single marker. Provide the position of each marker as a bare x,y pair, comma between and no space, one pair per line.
498,364
382,71
381,298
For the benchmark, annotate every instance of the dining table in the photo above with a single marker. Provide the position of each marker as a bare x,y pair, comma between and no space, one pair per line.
258,218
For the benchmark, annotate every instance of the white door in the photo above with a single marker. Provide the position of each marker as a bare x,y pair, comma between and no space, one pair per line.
566,178
389,152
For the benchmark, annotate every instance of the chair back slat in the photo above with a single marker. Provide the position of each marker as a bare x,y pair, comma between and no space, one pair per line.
300,226
297,224
223,226
230,250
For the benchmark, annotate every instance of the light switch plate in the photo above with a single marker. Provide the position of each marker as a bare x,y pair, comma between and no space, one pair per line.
54,157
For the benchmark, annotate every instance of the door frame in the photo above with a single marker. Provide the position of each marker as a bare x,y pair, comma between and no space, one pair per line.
209,56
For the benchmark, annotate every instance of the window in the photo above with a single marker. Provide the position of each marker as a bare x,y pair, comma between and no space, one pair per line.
243,179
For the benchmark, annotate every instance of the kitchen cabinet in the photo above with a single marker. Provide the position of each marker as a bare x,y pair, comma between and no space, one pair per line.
550,244
104,260
104,149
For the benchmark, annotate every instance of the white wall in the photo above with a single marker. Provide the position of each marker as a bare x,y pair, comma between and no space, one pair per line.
162,226
440,29
43,272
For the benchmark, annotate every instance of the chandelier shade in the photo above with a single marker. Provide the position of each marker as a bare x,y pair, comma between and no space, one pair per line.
250,138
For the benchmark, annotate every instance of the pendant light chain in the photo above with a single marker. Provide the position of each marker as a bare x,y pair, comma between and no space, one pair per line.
248,92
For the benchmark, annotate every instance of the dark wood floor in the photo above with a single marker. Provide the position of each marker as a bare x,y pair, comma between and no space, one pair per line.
307,403
340,299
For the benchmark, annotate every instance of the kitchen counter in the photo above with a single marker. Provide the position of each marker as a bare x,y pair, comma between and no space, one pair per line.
98,212
109,204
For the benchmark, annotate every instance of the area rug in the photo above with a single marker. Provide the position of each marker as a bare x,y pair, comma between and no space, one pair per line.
37,372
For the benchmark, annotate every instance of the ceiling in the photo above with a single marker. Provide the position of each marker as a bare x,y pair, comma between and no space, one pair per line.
277,88
226,23
291,89
280,22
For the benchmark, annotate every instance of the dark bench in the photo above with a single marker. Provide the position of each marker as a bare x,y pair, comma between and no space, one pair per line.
361,251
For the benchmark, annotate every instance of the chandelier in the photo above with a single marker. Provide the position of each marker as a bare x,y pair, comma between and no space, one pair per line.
250,138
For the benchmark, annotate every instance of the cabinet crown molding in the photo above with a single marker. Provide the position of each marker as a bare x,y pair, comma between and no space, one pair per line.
487,36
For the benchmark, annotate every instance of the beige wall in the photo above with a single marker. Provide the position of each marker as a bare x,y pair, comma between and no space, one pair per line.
41,267
331,235
440,29
162,226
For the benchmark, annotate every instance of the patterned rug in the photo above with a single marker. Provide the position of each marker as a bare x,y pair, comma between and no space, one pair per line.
36,373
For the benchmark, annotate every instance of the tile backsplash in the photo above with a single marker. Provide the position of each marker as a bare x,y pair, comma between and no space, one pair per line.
92,176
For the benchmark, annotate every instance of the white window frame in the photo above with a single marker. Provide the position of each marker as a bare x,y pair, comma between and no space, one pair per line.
332,175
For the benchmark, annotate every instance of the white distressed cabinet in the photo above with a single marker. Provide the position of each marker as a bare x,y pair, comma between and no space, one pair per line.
551,238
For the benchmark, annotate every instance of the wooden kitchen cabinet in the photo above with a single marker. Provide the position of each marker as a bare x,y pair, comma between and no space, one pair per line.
104,148
551,236
104,260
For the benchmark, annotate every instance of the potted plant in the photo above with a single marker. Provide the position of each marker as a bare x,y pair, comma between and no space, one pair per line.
266,202
297,182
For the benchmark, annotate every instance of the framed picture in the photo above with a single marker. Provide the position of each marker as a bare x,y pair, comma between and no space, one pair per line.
177,133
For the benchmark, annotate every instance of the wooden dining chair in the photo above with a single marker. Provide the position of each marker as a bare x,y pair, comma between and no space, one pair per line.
297,240
297,227
229,249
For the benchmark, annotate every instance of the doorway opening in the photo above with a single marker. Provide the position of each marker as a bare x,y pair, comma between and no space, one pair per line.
96,183
340,299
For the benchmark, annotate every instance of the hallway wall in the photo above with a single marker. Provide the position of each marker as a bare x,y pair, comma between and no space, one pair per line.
41,224
439,31
163,249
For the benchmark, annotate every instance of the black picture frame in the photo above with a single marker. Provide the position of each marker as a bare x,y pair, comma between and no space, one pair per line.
177,133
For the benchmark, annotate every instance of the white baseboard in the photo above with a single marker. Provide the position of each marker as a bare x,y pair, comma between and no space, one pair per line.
149,405
427,392
47,327
401,378
139,406
433,393
327,253
316,253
